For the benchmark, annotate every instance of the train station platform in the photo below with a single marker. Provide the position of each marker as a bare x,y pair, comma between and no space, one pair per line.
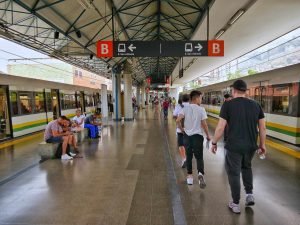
132,176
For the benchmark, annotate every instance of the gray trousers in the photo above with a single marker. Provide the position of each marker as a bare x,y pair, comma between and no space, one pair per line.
235,164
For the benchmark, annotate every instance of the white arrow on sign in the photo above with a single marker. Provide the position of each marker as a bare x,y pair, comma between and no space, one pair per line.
199,47
131,47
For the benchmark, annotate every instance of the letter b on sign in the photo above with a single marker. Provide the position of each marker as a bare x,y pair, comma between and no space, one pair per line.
216,48
105,49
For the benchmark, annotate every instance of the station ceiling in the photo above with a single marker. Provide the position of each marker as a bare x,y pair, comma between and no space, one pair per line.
263,22
69,29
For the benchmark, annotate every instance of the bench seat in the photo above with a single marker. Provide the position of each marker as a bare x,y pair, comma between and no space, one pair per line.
47,150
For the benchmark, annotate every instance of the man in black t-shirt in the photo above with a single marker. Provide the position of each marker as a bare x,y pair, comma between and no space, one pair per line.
227,98
242,116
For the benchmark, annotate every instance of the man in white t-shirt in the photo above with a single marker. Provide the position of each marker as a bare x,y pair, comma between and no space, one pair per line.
182,102
194,126
79,119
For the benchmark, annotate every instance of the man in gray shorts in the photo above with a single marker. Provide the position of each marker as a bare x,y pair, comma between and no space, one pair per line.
55,134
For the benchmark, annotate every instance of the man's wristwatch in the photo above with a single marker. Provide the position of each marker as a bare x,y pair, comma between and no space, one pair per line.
213,143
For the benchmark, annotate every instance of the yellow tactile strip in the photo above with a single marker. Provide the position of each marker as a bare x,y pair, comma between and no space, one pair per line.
20,140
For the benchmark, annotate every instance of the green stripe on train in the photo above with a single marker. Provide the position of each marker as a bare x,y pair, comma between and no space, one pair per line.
290,133
29,126
286,132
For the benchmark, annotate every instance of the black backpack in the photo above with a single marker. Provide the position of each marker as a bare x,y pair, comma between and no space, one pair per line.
58,152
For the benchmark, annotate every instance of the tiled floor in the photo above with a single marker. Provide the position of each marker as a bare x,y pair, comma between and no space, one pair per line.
123,179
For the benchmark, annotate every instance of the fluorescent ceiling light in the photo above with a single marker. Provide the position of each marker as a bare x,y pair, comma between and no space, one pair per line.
219,34
236,16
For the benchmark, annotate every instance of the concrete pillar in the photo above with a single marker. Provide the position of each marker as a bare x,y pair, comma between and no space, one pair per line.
104,106
138,96
128,97
143,96
116,88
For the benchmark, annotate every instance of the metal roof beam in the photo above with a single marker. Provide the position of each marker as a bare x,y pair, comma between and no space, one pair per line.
75,21
46,6
182,34
180,14
158,18
137,4
181,3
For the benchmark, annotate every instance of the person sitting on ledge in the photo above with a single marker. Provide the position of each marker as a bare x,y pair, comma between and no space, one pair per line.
91,123
54,134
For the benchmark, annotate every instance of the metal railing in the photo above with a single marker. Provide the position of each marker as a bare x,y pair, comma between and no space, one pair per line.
285,54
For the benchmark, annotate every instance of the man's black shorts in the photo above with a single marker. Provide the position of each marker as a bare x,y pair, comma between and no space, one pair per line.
180,140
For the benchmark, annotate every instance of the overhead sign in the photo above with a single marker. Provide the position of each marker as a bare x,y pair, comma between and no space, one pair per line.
160,48
136,48
105,49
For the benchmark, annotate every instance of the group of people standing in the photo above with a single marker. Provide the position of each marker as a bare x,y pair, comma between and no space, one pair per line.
241,119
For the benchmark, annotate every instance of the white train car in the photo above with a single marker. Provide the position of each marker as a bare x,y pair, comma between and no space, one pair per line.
27,105
278,93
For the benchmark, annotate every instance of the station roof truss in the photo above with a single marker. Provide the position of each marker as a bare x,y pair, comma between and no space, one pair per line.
70,29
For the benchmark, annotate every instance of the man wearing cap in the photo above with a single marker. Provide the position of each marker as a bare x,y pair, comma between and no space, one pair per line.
227,98
243,116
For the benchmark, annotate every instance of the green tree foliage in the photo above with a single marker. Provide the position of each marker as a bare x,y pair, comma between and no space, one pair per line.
235,75
251,71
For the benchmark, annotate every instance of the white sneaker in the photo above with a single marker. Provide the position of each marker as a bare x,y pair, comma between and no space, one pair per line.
66,157
249,200
234,207
72,154
201,181
190,180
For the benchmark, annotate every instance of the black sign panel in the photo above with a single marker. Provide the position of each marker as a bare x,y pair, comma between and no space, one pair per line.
136,48
184,48
160,48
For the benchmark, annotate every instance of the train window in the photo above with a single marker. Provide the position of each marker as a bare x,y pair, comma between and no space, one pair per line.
14,103
216,98
68,101
88,101
39,102
280,103
25,102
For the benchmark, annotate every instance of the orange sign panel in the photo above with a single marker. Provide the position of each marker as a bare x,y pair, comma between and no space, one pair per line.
105,49
216,48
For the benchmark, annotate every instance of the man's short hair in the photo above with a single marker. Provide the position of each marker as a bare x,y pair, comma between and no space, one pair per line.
240,85
185,98
63,117
195,94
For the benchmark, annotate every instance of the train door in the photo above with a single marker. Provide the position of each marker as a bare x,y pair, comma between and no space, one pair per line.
260,95
80,101
5,122
55,103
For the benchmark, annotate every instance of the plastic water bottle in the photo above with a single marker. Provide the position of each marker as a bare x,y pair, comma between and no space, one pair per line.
260,154
207,144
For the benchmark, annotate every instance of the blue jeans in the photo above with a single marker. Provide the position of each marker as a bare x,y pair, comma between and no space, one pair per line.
93,130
